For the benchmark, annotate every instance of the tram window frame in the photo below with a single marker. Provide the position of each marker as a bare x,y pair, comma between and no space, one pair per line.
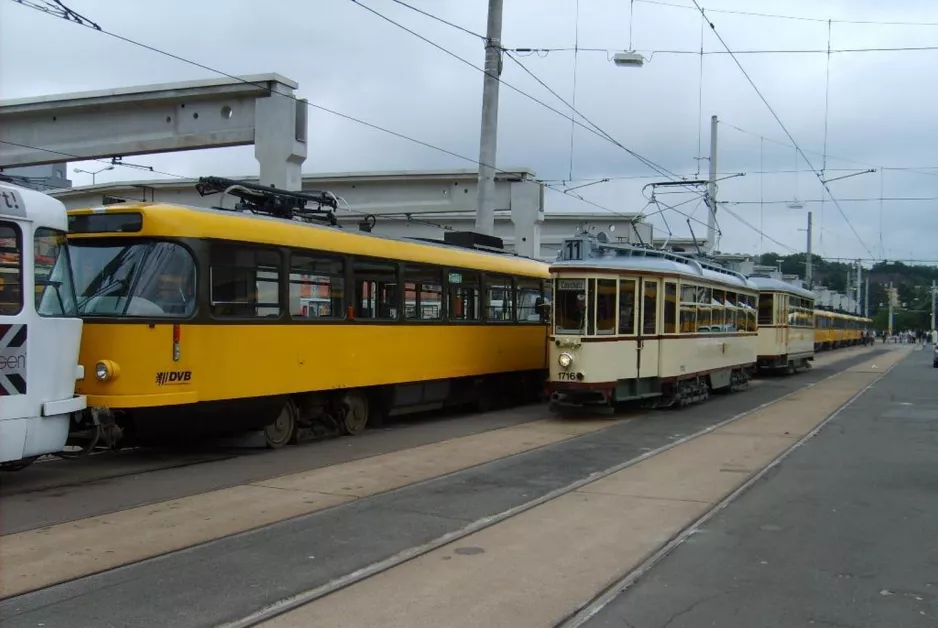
383,295
627,330
606,325
15,290
494,282
336,279
650,323
415,275
730,311
253,275
457,287
752,313
525,286
670,308
718,310
687,308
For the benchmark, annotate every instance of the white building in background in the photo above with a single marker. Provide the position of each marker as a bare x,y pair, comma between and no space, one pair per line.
411,205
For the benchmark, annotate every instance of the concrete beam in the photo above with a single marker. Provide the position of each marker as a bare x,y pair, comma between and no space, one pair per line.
162,118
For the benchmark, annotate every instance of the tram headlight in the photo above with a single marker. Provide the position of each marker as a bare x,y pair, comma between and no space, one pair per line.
106,370
565,360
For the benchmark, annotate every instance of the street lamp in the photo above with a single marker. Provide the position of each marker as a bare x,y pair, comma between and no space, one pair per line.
628,59
94,173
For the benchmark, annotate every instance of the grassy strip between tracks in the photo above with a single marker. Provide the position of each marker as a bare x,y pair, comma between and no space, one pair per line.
538,567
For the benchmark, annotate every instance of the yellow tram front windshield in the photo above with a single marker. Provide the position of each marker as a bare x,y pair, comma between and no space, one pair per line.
134,279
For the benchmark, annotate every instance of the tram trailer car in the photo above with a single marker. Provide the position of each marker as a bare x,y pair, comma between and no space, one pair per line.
835,329
633,323
786,325
210,321
40,330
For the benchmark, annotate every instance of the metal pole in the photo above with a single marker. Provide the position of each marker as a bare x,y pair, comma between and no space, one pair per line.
890,298
932,305
485,207
712,188
866,301
808,268
859,285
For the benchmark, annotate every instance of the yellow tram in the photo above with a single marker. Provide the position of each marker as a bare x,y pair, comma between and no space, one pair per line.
205,320
835,329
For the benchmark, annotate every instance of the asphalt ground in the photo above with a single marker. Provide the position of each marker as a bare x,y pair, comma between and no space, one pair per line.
226,579
844,533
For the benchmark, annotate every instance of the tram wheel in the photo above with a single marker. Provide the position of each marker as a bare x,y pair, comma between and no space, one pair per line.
281,430
355,413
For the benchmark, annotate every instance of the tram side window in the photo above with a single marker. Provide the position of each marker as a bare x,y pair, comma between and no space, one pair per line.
498,299
530,303
766,308
650,309
704,299
718,320
423,293
605,306
376,290
670,308
688,309
730,314
464,296
317,287
627,307
751,313
11,270
245,282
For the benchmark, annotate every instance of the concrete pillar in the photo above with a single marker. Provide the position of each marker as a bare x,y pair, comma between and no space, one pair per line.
527,215
280,138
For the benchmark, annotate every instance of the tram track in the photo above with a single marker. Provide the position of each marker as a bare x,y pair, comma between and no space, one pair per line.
582,614
446,494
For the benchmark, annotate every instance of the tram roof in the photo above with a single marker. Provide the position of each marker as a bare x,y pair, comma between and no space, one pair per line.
20,203
169,220
769,284
619,258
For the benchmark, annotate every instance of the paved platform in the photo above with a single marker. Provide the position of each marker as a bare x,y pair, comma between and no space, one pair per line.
844,533
228,578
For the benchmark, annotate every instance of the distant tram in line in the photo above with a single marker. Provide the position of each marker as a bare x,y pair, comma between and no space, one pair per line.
835,329
786,325
634,323
212,321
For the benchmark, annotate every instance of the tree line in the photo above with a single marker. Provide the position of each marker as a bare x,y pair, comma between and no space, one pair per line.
913,283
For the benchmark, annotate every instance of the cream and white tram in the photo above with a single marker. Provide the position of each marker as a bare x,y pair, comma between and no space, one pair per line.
632,323
40,331
786,325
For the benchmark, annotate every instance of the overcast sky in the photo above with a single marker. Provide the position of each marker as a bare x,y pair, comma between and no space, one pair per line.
881,104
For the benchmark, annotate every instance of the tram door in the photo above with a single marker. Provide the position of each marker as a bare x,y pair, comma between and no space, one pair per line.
648,328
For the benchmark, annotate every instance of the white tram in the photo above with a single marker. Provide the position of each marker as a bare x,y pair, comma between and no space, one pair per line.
786,325
633,323
40,331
